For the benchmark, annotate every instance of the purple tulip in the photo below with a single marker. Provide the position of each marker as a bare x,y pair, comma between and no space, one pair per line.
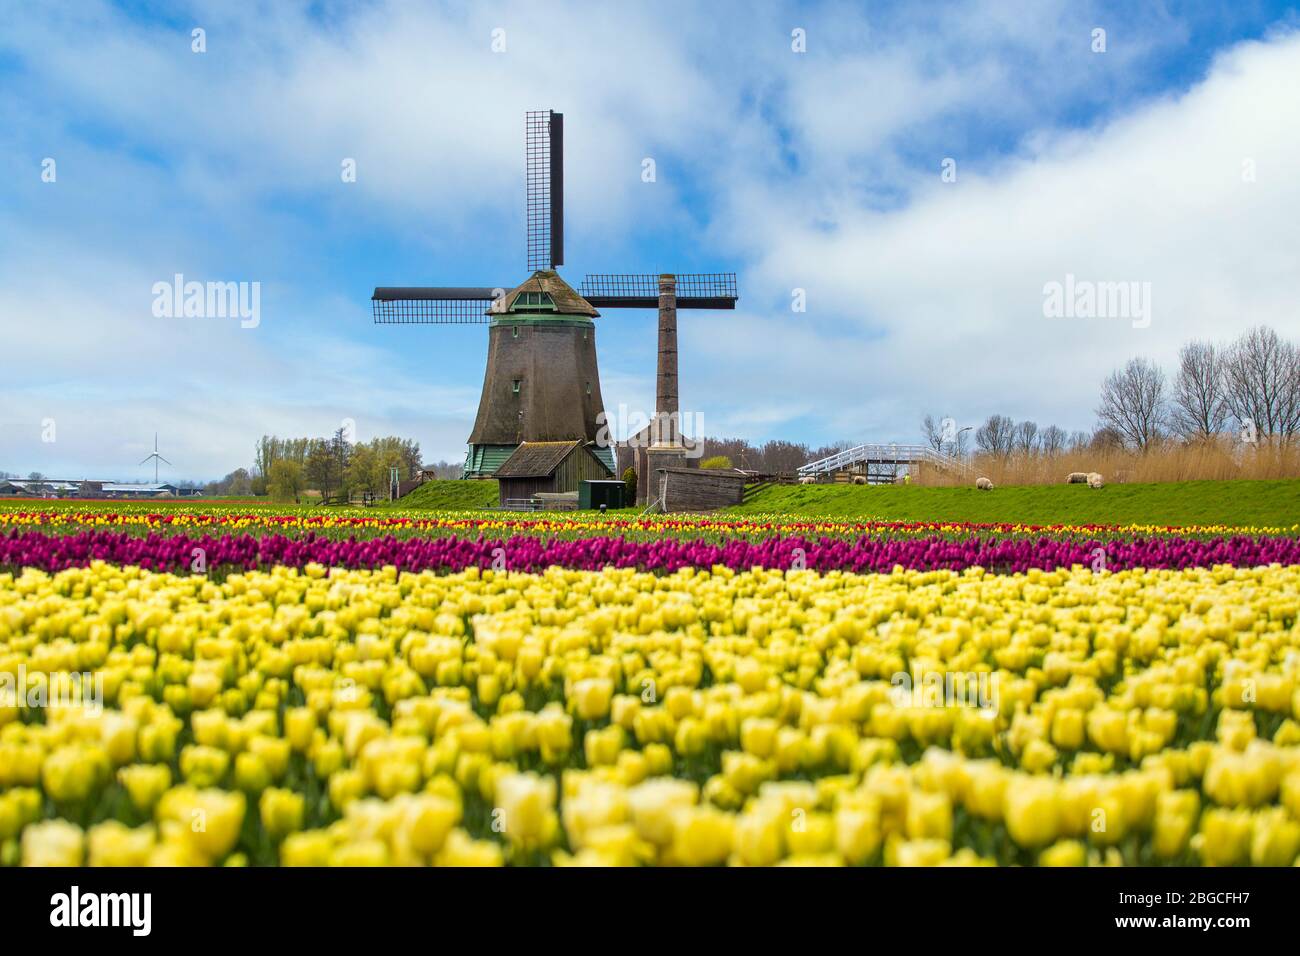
34,549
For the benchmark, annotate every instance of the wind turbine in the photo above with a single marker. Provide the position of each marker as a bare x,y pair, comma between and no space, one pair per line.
156,458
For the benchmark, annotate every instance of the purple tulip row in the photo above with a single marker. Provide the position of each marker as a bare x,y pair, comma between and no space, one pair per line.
529,553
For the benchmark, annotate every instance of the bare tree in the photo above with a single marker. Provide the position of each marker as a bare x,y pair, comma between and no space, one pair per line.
1198,408
1025,438
1133,402
1052,440
995,436
783,456
933,431
1080,441
1261,374
1105,439
959,447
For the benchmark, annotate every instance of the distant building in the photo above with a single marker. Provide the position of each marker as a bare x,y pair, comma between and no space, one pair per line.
63,488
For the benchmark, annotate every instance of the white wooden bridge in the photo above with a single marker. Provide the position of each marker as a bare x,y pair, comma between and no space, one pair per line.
880,464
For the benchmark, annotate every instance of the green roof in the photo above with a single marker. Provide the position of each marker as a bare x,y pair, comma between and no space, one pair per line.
484,460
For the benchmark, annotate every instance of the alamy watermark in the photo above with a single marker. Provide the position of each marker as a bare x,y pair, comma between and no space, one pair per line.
945,689
130,910
645,430
208,300
61,689
1088,299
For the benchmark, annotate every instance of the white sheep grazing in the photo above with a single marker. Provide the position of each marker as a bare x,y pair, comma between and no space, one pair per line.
1095,480
1076,478
983,484
808,480
859,479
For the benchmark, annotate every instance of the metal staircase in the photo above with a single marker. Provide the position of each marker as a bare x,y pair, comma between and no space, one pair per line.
863,458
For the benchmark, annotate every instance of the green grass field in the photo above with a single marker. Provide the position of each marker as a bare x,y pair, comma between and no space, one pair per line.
1237,503
451,495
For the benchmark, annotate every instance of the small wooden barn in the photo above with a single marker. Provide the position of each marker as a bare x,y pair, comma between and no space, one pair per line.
538,467
697,489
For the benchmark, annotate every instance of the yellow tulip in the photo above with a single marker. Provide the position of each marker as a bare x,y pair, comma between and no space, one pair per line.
300,727
462,850
929,816
525,809
760,834
1225,837
1175,821
702,836
281,811
145,784
592,697
208,820
53,843
310,848
1031,808
72,772
114,844
653,804
1064,853
1275,840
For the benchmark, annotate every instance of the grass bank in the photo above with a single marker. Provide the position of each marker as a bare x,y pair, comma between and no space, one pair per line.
1238,503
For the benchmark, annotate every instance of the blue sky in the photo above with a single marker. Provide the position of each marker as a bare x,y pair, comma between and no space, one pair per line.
817,171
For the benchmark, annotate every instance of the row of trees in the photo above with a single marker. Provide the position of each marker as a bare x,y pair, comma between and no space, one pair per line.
1001,435
285,468
771,457
1251,385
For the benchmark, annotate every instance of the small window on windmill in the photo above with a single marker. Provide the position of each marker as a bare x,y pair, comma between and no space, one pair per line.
533,302
516,331
514,386
588,388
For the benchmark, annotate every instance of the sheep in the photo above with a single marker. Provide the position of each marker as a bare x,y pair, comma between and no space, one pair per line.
859,479
1076,478
983,484
808,480
1095,480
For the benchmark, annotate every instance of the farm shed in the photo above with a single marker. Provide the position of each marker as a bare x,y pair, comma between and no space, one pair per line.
548,466
698,489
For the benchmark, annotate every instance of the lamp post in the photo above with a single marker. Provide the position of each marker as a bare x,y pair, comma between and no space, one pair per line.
956,442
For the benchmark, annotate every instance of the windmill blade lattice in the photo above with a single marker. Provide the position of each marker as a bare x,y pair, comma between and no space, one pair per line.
446,306
544,150
695,290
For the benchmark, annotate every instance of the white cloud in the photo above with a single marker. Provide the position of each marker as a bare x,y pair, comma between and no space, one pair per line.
937,306
811,171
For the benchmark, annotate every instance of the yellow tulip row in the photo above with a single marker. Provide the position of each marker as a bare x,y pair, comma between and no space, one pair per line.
703,717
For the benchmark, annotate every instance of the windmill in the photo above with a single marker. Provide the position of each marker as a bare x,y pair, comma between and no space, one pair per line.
542,382
155,458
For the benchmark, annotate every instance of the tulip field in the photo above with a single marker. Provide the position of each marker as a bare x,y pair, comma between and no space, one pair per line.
246,685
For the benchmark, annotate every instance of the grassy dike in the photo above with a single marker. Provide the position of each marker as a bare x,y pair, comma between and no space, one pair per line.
1238,503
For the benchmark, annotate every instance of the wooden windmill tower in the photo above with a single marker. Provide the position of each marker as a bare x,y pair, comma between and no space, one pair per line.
542,383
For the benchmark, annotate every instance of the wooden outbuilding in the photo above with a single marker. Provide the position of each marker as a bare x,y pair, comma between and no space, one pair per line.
538,467
697,489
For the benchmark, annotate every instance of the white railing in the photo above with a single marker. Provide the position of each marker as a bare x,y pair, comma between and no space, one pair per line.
881,454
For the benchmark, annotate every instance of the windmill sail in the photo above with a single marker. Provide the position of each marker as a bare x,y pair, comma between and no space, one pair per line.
435,306
544,152
700,290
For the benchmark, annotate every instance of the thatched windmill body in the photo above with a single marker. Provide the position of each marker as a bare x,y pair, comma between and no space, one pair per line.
542,382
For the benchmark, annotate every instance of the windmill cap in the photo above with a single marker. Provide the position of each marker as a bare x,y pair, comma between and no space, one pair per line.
567,300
